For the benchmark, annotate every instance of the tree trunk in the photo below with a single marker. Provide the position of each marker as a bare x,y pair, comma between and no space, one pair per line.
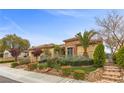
16,59
36,58
85,53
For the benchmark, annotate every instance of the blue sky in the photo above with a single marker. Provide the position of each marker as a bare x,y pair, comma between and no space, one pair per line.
48,26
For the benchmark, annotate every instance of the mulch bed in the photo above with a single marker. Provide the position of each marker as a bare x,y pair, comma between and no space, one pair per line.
21,67
50,71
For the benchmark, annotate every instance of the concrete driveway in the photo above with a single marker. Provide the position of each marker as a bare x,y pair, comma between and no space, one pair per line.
7,80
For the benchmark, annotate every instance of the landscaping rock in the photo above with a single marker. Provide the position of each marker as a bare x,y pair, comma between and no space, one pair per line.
95,75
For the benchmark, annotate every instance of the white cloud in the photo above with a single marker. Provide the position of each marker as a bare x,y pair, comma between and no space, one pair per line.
38,39
14,25
65,12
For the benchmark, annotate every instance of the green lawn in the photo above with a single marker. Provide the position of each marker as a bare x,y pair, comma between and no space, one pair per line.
86,69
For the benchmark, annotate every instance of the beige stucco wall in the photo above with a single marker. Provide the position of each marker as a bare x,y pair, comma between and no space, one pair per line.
90,50
52,52
71,43
80,50
32,58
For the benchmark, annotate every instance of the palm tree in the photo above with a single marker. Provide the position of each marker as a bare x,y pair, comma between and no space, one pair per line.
85,40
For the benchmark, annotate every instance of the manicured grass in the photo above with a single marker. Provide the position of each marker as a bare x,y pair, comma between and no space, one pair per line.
86,69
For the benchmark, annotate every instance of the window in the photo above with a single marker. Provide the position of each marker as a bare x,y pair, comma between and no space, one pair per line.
70,51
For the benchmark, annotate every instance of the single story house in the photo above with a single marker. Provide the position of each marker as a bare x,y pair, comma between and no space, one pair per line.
45,48
73,47
7,54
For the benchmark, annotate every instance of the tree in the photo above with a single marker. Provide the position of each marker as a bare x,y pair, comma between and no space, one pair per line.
120,57
14,41
99,56
85,40
57,50
2,48
15,53
36,52
112,30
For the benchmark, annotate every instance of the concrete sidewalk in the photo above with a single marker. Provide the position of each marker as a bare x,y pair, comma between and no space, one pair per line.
33,77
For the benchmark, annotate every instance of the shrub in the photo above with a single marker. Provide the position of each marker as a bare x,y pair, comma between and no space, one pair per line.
120,57
52,62
66,70
57,67
81,61
32,66
76,61
63,62
14,64
43,59
24,61
79,74
99,56
41,66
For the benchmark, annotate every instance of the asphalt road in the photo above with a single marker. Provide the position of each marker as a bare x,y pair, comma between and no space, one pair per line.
7,80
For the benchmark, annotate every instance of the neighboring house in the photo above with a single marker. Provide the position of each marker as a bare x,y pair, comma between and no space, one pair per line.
49,48
6,54
73,47
23,54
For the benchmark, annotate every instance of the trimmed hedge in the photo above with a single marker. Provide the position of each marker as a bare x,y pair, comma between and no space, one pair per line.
76,61
72,61
99,56
79,74
14,64
120,57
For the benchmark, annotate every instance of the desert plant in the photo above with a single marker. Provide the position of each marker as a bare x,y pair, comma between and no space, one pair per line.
66,70
120,57
50,63
79,74
41,66
99,56
14,64
57,67
32,66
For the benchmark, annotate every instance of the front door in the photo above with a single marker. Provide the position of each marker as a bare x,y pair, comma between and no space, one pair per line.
70,51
